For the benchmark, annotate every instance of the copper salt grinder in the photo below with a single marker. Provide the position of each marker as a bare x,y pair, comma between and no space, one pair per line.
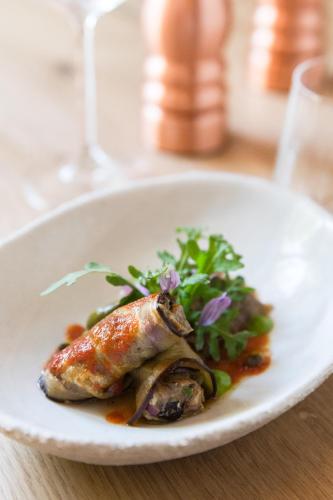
184,93
286,32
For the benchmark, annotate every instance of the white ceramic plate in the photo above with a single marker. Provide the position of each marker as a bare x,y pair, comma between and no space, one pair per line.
287,242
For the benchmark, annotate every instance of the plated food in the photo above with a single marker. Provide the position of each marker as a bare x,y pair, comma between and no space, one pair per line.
283,261
178,337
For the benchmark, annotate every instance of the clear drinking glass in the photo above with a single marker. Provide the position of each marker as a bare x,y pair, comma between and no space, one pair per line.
92,167
305,158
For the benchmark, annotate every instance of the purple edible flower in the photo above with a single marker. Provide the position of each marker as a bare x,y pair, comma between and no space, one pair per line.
126,290
143,290
169,281
213,309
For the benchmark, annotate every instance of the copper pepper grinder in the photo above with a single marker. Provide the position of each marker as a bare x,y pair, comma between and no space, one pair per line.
184,108
286,32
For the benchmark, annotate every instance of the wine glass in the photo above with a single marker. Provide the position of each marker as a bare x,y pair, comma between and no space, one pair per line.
305,158
92,168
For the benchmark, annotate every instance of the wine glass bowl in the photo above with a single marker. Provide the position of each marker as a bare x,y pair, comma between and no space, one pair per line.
89,7
305,158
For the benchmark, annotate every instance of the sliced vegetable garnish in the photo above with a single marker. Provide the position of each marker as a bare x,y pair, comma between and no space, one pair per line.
261,324
223,382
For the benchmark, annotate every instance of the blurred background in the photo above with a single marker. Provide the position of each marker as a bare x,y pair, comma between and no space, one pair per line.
40,60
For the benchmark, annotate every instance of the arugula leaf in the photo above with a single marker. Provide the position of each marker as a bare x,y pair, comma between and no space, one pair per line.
236,343
199,339
136,273
220,256
167,258
195,279
214,346
236,288
71,278
117,280
223,382
193,249
184,256
192,233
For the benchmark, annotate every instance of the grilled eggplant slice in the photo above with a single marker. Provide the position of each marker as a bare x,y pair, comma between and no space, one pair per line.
96,364
173,385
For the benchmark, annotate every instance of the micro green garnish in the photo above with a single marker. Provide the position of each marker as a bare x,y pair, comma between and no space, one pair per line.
199,278
150,280
209,294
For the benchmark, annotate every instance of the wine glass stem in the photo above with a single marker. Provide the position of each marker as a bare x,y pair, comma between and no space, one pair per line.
90,113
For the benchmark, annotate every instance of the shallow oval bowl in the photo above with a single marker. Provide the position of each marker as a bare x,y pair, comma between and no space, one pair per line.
287,242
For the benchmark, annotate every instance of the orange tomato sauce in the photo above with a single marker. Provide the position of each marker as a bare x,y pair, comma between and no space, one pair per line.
239,368
118,417
73,332
121,408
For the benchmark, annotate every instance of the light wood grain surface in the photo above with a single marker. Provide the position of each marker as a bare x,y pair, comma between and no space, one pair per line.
290,458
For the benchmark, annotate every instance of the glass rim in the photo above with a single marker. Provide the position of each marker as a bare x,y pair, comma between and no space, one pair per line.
298,82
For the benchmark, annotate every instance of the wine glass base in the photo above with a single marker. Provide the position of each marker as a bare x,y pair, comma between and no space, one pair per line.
92,171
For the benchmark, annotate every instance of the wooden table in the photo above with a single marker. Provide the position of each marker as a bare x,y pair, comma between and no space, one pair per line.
290,458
